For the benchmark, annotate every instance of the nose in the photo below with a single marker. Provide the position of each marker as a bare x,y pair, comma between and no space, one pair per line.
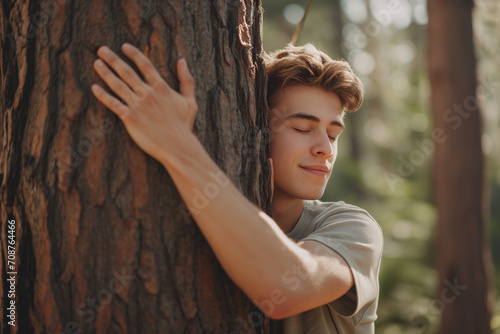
323,146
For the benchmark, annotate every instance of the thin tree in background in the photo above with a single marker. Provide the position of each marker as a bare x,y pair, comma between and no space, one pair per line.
103,242
462,254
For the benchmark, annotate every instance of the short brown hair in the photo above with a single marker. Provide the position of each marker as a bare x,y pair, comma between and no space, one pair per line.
308,66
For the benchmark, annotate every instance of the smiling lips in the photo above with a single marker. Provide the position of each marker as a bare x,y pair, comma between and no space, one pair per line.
317,170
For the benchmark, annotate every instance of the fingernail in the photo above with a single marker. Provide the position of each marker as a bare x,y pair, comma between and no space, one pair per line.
126,46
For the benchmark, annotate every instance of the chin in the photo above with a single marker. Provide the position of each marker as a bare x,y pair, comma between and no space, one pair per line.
309,192
311,195
312,198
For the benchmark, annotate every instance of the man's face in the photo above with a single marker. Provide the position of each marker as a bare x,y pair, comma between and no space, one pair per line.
305,124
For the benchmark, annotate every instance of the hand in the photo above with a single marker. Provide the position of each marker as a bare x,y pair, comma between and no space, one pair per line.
156,116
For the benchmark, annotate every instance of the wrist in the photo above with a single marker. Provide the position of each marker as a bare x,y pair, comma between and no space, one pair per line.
181,152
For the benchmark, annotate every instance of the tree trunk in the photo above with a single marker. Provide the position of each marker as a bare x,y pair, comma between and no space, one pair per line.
462,255
103,242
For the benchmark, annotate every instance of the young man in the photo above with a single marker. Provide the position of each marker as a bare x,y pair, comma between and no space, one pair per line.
314,265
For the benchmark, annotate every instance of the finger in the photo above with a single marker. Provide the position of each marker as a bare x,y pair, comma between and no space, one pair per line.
119,66
153,78
186,79
115,83
110,102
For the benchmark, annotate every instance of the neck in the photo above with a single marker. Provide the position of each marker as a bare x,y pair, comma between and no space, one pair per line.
286,210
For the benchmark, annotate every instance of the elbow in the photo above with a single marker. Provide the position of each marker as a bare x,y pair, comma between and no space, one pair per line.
275,312
279,314
285,311
276,306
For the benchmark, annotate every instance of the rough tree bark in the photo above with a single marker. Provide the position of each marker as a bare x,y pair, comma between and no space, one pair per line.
462,254
103,242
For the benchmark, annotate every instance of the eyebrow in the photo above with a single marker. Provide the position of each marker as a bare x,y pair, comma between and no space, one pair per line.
313,118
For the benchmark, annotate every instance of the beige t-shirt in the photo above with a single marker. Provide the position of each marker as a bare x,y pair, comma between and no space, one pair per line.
356,236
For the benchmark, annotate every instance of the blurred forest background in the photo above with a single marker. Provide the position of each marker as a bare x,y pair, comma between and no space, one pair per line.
386,44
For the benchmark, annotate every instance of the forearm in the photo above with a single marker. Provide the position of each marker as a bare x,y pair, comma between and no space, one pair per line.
250,246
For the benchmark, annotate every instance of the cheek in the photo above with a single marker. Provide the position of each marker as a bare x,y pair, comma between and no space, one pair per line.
276,153
281,144
279,152
276,142
335,150
334,156
287,144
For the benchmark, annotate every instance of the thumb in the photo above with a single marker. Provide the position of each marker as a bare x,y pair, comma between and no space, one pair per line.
186,80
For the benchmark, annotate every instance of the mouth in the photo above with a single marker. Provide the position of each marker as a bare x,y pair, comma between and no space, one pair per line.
317,172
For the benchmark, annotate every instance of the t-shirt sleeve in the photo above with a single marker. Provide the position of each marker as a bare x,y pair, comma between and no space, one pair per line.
357,237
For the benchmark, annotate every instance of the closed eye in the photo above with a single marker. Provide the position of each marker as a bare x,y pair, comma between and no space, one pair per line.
306,131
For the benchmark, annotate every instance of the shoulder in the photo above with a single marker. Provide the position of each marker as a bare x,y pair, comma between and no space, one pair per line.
350,231
340,216
355,235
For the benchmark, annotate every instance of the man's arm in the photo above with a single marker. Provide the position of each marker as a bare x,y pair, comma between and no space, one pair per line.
250,246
